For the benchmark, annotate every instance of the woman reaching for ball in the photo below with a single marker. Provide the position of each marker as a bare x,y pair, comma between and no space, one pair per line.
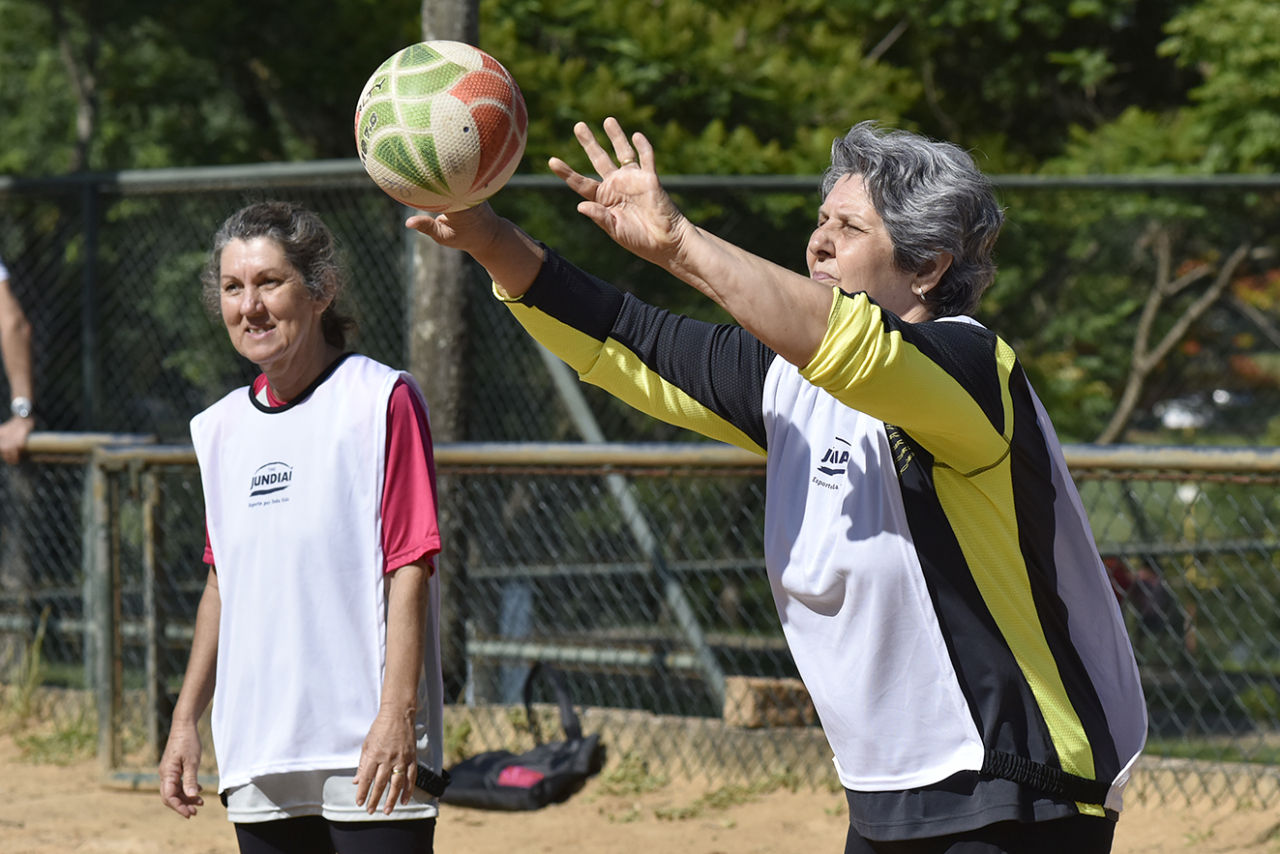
316,637
932,566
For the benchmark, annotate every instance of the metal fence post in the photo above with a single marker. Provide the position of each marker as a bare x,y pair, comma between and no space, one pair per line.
89,306
154,617
102,609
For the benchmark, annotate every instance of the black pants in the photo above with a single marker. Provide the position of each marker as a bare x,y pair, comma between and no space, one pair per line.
1082,834
316,835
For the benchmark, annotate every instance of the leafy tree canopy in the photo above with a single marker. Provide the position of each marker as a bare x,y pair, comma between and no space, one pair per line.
725,87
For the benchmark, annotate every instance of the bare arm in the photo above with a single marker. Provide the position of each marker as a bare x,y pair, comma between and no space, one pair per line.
391,742
15,348
785,310
180,764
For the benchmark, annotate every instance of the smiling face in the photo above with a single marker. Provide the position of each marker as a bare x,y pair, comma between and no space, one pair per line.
851,249
270,315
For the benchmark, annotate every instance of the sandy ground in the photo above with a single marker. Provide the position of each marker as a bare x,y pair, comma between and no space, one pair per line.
46,808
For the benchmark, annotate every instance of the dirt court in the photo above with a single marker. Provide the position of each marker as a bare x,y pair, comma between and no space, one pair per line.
58,809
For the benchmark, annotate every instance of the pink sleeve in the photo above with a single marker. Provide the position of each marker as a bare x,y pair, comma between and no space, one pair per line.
410,530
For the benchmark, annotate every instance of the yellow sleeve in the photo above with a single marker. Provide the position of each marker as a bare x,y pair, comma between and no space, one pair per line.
874,362
612,366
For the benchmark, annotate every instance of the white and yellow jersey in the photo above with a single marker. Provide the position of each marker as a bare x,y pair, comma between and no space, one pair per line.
929,557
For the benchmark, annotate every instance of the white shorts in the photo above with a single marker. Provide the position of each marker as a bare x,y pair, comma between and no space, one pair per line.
329,794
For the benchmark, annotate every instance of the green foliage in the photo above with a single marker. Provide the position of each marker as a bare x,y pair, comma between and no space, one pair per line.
19,696
457,742
1021,72
519,720
724,87
1262,703
70,741
218,83
35,96
729,796
719,87
1213,751
1135,142
631,776
1233,44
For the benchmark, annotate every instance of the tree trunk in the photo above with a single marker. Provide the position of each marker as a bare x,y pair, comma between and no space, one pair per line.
81,70
438,342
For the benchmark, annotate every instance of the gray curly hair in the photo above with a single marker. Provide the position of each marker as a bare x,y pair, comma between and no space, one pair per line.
932,198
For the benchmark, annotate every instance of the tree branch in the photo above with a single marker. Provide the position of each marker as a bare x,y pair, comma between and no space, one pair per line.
882,47
935,104
1258,318
84,84
1145,358
1202,304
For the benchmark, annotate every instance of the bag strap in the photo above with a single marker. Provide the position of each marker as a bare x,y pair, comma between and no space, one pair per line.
568,717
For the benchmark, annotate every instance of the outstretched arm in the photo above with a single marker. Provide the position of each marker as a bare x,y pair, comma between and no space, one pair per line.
785,310
665,365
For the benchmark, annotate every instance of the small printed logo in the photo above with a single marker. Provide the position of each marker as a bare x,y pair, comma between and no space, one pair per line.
836,459
272,477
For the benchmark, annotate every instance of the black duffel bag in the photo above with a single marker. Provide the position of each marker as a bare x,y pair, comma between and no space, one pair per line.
547,774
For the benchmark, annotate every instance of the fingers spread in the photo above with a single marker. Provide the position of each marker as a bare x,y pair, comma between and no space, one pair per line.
579,183
644,151
597,213
600,159
621,146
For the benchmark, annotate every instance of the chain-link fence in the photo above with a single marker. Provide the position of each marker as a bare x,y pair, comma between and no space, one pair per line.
638,571
1192,543
47,629
639,574
1095,275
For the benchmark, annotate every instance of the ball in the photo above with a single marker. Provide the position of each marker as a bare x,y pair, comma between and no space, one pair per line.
441,126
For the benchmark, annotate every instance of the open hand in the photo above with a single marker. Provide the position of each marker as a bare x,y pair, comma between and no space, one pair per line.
627,201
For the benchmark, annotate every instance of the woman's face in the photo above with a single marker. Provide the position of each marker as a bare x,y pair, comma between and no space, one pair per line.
269,313
850,249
